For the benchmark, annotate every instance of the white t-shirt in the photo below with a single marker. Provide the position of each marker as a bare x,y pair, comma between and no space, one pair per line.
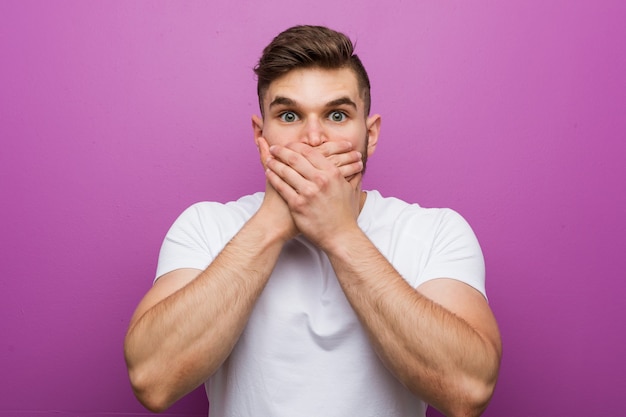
304,351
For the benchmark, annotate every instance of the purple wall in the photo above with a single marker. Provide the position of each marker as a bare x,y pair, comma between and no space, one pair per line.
115,116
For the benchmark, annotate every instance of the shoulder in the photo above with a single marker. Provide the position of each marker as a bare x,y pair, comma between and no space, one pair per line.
210,221
426,243
202,231
211,211
383,211
246,204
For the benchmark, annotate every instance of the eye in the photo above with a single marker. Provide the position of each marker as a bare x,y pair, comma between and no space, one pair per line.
288,117
337,116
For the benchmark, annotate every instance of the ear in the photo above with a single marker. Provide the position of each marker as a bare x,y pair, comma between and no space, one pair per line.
373,131
257,128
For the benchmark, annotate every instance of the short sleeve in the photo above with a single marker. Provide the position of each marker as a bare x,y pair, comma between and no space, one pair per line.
185,245
455,253
201,232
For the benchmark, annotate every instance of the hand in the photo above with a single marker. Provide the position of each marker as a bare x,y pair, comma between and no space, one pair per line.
341,154
273,205
323,198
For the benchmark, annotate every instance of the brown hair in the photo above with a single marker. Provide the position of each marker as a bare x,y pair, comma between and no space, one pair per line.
309,47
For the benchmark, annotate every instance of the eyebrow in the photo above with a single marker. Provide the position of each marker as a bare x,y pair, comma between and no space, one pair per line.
343,101
282,101
285,101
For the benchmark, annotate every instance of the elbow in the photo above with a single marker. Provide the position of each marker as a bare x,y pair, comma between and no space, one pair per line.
474,397
477,390
472,394
150,394
476,401
469,406
468,397
149,387
152,404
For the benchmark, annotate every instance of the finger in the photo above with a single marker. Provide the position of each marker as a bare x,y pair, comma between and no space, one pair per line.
289,175
264,151
345,158
301,178
334,148
349,170
286,191
339,153
302,158
356,181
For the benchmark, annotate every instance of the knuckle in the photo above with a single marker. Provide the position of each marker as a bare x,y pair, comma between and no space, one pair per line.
334,160
321,180
309,190
325,149
308,151
299,203
291,159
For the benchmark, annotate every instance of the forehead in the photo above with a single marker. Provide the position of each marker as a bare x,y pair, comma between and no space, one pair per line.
315,86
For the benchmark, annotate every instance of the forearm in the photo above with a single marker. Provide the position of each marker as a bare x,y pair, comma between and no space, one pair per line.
181,341
433,352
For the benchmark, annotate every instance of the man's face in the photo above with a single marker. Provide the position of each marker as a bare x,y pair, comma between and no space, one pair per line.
314,106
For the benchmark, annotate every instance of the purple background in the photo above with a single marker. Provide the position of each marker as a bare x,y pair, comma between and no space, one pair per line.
115,116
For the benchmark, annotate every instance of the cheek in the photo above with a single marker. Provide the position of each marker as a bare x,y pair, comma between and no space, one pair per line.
353,135
359,140
277,136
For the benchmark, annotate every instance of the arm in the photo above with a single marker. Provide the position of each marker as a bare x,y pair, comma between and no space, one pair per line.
441,341
189,321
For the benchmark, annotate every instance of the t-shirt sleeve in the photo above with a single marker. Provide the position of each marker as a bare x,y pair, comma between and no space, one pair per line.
456,253
186,245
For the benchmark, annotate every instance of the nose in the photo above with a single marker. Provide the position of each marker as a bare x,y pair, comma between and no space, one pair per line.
314,134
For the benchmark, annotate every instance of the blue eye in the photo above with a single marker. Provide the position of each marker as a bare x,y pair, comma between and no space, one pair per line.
337,116
288,117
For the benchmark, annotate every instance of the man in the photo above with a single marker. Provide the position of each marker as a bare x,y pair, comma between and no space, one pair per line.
315,297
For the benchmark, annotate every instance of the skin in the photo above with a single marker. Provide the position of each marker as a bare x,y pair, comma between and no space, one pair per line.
440,340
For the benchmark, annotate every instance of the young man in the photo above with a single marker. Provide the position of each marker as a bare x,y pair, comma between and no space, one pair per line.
315,297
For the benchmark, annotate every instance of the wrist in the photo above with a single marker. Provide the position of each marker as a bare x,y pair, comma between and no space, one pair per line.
340,244
275,224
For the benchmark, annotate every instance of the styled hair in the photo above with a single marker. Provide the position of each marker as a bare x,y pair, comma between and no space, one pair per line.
302,47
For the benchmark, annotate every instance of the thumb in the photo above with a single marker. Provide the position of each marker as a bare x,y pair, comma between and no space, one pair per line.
264,151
